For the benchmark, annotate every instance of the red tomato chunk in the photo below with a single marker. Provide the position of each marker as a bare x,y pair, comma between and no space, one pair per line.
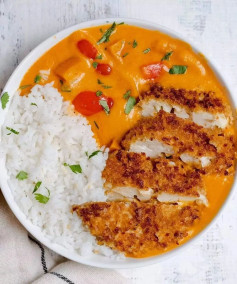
104,69
87,48
152,71
87,103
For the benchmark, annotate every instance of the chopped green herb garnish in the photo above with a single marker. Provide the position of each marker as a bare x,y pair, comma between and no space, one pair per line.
95,64
106,87
33,104
98,93
99,82
167,56
75,168
134,44
101,30
99,56
127,94
130,104
37,79
4,100
65,88
25,86
107,34
94,154
12,130
105,106
41,198
103,85
178,69
96,125
37,186
125,54
22,175
122,23
146,50
87,154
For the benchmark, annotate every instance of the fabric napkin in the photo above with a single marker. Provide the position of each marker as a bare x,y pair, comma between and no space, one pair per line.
25,260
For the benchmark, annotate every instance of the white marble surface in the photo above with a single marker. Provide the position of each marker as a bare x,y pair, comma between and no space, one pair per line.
211,24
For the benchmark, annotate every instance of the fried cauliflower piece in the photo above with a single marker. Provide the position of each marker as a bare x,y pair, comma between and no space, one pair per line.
166,134
166,131
203,108
138,228
130,174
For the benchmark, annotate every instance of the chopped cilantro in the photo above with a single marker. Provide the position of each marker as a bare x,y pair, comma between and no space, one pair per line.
25,86
96,125
37,186
146,50
122,23
95,64
99,56
125,54
33,104
129,105
37,79
105,37
65,88
22,175
94,154
4,100
105,106
178,69
106,86
12,130
98,93
103,85
127,94
75,168
99,82
41,198
167,56
134,44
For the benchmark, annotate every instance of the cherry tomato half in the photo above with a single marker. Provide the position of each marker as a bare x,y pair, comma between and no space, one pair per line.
87,48
87,103
104,69
152,71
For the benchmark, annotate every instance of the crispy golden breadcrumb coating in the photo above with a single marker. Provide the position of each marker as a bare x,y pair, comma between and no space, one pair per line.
182,135
138,228
225,157
127,169
191,100
164,157
185,137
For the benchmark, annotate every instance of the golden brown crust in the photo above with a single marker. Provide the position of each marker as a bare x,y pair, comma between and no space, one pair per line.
225,157
182,135
138,228
186,137
190,99
162,175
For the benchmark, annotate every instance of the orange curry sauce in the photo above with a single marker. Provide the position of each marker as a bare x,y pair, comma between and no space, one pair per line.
65,61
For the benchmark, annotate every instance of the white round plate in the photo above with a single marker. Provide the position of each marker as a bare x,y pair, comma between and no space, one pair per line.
11,87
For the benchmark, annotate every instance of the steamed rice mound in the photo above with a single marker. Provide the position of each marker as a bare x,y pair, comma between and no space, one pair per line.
50,134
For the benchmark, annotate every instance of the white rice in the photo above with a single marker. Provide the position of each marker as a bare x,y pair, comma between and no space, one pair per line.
49,136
